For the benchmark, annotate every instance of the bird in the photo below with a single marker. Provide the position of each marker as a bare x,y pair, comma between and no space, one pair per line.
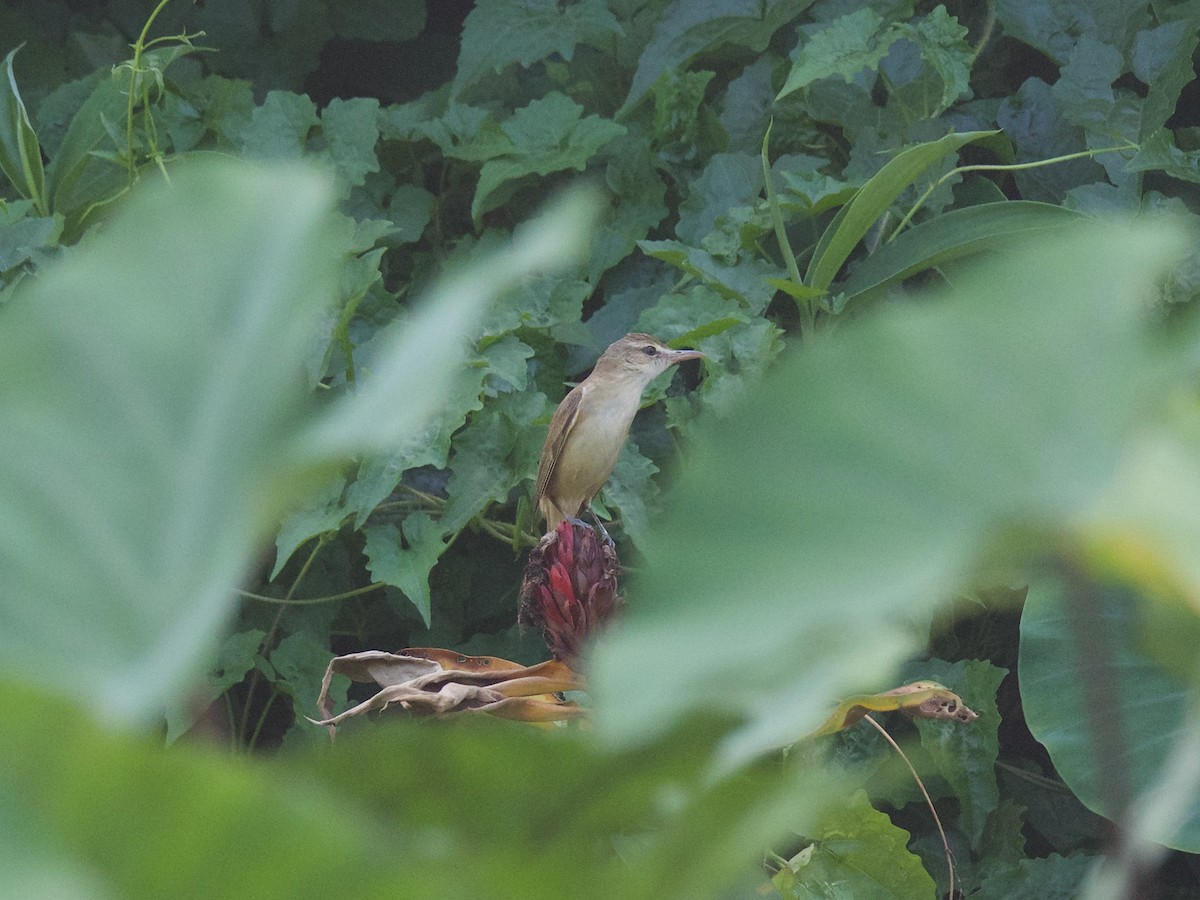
590,425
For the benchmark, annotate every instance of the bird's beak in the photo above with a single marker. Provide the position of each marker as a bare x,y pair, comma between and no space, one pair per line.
678,356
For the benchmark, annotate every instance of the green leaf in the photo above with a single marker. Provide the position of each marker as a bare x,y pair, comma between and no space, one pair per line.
813,192
149,441
1052,811
22,237
1050,877
1055,27
953,235
1162,59
351,128
700,312
965,753
1160,153
728,179
234,660
405,559
1054,703
858,849
497,33
793,290
280,127
747,281
421,358
299,662
944,46
640,193
273,833
840,49
76,177
321,512
548,135
465,132
1036,122
275,45
688,28
490,455
854,487
1084,87
874,198
20,153
680,113
410,209
1002,845
632,489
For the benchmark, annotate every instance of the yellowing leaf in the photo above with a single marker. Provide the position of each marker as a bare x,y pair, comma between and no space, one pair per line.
920,699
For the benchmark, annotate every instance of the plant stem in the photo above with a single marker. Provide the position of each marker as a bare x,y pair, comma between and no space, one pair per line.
262,718
807,312
264,647
312,601
924,793
989,167
135,67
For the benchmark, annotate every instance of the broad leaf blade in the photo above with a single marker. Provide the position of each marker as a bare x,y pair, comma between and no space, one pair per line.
857,848
873,200
958,233
153,389
1152,706
823,521
422,355
75,177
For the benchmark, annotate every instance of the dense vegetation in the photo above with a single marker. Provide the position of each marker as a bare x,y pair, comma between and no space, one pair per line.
318,272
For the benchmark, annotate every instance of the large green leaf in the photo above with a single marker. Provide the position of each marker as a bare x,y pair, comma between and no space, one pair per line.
152,391
155,421
414,360
76,177
815,530
159,427
958,233
1150,707
474,809
265,832
873,199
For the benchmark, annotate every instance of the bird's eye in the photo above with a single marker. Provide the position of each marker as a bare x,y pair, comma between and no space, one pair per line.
650,350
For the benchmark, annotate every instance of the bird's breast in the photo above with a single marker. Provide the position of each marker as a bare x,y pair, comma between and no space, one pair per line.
595,442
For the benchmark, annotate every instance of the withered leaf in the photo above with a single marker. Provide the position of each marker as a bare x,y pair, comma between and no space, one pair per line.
435,681
920,699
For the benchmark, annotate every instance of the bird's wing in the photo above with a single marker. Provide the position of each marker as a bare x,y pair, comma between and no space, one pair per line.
560,427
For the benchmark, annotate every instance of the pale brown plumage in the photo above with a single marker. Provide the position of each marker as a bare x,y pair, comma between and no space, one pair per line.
592,422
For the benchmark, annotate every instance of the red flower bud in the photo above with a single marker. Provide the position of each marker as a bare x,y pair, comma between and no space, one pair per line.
570,588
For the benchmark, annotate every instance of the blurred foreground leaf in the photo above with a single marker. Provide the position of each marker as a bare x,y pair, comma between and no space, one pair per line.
153,386
1150,710
157,421
820,525
456,810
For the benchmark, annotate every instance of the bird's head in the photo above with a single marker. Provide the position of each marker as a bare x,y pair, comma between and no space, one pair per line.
642,356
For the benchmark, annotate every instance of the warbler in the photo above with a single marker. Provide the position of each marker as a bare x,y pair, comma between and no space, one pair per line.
592,422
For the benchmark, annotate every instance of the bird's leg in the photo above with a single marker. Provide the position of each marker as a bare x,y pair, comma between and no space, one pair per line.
600,530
